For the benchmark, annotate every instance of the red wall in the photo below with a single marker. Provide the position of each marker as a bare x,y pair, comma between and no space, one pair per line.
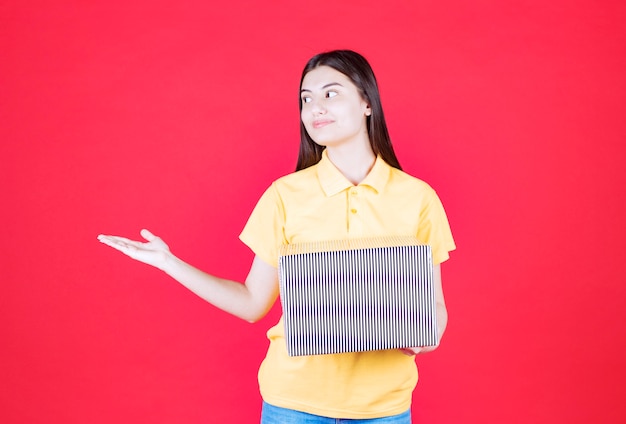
175,116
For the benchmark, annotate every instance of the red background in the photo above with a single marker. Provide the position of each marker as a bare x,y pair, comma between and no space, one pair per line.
175,116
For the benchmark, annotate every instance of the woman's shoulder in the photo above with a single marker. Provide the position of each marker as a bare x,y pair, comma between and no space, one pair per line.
302,177
403,180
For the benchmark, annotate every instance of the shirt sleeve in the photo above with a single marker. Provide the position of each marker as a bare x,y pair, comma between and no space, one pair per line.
264,232
434,228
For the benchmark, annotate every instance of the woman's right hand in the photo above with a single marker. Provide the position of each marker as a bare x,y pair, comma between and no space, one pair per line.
153,252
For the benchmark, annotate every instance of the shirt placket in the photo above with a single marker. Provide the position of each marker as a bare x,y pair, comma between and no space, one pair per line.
355,222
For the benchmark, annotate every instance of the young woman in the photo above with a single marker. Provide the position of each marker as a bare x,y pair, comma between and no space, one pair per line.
348,184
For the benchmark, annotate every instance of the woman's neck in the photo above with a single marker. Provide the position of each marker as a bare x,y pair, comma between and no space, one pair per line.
353,163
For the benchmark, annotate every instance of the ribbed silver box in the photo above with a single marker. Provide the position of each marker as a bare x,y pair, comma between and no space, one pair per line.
357,295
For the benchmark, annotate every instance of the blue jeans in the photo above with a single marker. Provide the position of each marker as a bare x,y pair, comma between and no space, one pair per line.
274,415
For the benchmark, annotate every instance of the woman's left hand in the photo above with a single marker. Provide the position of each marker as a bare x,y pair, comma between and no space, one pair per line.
412,351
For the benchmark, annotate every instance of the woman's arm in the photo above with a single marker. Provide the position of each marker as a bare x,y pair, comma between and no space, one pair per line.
442,315
249,301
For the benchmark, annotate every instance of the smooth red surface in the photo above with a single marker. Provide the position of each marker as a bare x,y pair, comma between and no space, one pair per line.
175,116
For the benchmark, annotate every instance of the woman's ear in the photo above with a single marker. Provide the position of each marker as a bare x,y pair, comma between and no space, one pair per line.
368,111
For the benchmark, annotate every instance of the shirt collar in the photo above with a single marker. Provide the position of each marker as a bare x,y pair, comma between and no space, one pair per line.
333,181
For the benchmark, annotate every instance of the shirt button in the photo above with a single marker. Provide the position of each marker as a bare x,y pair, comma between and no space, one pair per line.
354,192
353,210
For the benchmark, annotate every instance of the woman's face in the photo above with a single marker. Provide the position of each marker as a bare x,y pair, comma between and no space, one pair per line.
333,111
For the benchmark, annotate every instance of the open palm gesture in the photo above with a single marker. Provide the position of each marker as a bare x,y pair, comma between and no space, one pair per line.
152,252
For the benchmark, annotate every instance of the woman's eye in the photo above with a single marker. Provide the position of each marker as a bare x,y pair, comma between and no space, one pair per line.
306,100
331,94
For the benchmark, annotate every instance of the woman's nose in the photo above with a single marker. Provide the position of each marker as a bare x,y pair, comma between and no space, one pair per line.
318,107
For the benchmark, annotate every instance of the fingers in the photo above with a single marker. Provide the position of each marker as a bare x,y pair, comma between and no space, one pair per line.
116,240
152,252
147,235
120,243
106,239
412,351
132,247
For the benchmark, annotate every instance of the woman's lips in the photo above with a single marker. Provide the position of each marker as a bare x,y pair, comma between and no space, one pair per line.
321,123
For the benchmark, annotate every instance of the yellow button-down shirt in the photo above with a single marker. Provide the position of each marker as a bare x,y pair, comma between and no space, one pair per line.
318,204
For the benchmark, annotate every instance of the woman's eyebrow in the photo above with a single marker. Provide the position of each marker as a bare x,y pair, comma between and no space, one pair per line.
324,87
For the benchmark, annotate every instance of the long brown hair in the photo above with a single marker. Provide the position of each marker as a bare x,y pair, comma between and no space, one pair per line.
355,67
